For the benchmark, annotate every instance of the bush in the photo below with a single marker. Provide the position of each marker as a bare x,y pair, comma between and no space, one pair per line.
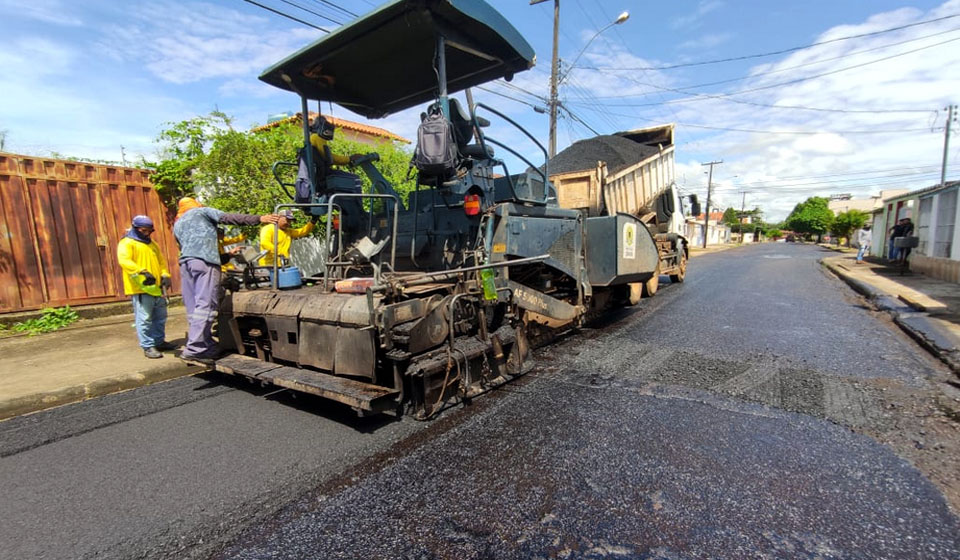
51,319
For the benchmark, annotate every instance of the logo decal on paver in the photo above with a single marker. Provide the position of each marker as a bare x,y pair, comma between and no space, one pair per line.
629,241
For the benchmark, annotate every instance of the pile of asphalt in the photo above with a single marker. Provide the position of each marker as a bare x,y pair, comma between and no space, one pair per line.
618,152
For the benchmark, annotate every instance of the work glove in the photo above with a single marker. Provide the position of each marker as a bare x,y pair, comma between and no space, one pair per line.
165,282
148,279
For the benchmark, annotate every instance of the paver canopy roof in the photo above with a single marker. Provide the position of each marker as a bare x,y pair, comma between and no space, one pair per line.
384,61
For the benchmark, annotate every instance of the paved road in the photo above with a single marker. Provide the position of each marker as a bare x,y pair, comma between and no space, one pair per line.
711,421
625,443
166,470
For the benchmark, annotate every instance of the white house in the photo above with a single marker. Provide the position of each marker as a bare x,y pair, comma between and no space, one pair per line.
935,213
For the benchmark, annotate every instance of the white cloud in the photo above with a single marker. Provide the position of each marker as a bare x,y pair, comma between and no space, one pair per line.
47,11
823,143
185,43
836,158
708,41
693,19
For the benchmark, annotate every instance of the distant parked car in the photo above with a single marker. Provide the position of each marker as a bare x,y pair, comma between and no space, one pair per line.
791,238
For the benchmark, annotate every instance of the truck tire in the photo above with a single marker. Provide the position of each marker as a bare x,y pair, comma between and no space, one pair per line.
651,285
632,293
682,272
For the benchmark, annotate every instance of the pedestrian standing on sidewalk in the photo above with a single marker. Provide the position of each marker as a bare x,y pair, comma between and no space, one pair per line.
906,230
196,232
863,241
892,234
145,275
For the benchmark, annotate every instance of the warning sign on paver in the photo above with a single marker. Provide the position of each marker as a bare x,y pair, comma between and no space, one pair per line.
629,241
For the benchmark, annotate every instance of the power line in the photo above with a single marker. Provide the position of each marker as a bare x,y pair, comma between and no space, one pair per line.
787,132
286,15
791,49
309,11
837,71
510,97
725,96
579,120
917,170
821,60
867,182
341,8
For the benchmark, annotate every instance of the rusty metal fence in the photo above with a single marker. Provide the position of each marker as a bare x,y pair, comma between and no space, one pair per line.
60,222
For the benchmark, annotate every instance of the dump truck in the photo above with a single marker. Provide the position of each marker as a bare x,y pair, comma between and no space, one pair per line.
629,173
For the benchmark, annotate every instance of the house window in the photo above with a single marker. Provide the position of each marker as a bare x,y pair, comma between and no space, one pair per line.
923,224
946,216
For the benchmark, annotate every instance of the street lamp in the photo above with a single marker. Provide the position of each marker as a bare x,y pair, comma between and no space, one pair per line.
554,81
624,16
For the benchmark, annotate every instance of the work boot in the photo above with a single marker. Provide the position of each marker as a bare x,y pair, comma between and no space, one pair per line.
197,360
166,346
152,353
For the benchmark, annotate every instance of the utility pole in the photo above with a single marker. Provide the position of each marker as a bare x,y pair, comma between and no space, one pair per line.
951,118
555,77
552,148
743,209
123,155
706,214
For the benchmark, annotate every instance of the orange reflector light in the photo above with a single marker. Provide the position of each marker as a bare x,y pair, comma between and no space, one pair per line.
353,285
471,204
336,221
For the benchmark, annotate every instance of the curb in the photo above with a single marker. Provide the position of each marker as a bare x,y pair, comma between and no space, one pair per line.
48,399
85,312
902,315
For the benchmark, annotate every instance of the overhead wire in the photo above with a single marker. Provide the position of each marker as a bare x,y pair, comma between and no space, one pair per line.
753,76
286,15
309,11
784,132
793,49
839,182
844,69
339,7
510,97
727,96
626,46
867,172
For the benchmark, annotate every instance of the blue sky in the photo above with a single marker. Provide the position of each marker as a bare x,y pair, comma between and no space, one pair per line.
85,78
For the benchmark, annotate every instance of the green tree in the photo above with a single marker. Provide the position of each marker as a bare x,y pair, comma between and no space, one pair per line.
730,217
183,148
811,217
847,222
773,233
232,169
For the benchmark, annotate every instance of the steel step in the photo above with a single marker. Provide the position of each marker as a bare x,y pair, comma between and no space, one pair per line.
357,394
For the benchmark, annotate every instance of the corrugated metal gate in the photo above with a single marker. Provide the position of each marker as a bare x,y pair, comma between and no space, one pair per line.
60,222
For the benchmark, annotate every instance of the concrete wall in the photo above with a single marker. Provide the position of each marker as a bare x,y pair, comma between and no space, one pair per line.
941,269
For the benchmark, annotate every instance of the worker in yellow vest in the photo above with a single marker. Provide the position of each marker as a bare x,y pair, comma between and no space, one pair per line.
225,255
285,234
145,275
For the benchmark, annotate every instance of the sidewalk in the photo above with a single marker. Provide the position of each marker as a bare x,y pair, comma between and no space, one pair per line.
699,250
926,309
88,359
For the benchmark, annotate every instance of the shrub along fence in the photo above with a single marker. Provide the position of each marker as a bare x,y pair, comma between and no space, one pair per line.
60,222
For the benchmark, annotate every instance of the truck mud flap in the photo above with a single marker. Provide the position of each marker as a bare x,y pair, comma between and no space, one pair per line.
361,396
